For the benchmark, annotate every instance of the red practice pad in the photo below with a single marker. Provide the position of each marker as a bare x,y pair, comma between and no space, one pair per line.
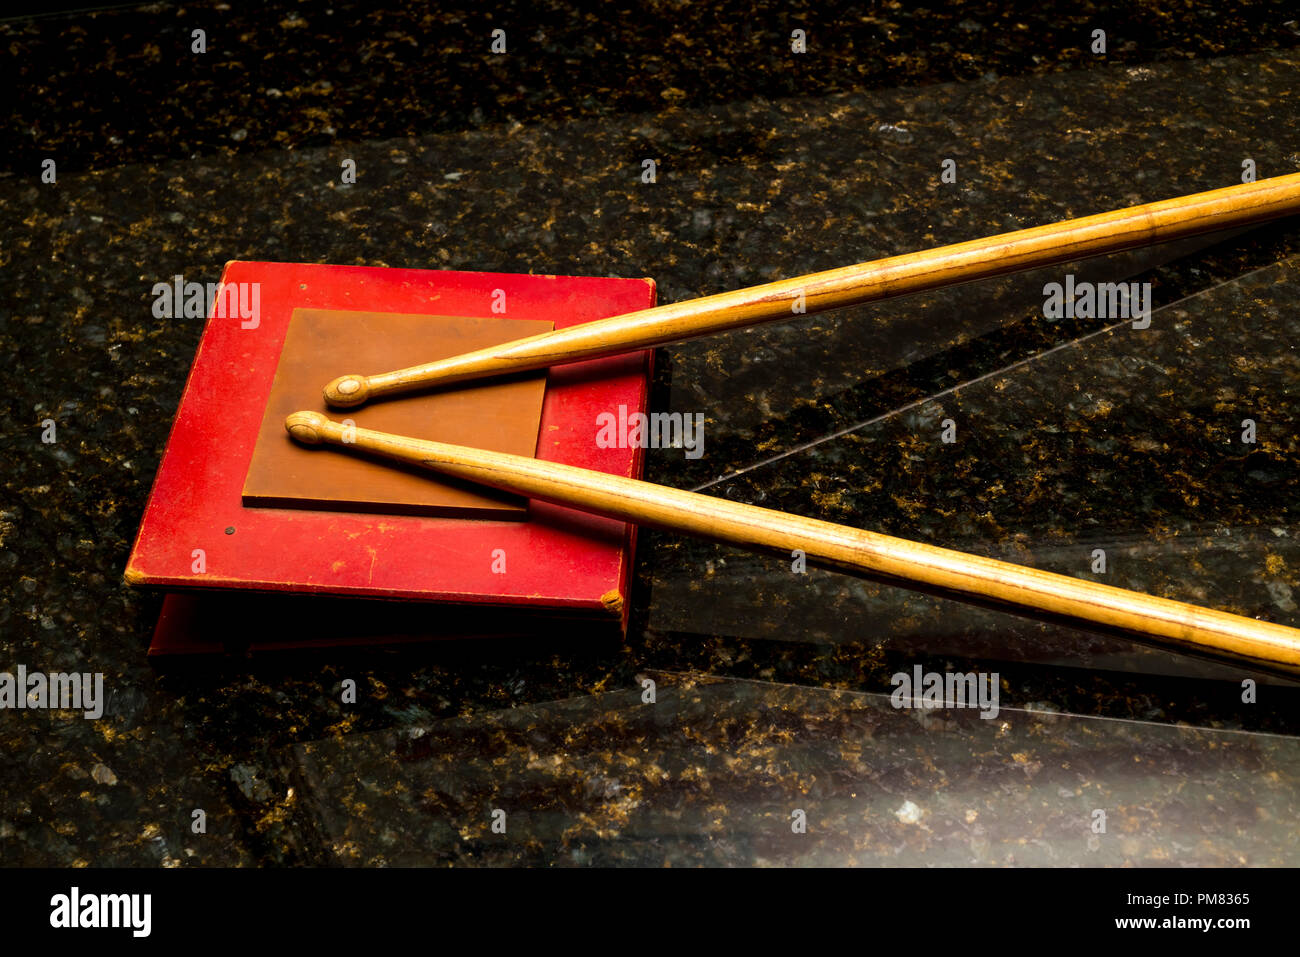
199,533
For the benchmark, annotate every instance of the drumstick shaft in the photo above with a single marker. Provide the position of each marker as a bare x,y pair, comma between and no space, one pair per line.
1184,626
867,282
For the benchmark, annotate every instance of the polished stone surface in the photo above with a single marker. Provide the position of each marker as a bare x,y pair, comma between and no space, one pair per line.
771,688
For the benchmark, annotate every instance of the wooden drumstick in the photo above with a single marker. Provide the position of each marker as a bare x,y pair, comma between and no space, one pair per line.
867,282
1183,626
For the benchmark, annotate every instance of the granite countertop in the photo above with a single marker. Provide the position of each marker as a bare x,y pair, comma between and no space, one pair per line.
772,689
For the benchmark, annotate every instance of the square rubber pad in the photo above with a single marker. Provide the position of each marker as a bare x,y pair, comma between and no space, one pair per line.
501,415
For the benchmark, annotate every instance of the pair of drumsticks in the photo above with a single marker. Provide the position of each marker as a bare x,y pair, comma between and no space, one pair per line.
983,580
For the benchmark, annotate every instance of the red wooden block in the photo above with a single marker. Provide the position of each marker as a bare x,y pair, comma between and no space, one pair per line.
196,533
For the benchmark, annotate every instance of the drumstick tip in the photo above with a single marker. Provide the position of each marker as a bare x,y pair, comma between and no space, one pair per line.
306,427
347,391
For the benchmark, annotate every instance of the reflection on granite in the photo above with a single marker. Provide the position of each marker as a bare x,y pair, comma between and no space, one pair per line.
768,683
1127,440
298,74
857,177
714,771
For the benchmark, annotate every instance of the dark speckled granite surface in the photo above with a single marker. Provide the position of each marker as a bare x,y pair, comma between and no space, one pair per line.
772,689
